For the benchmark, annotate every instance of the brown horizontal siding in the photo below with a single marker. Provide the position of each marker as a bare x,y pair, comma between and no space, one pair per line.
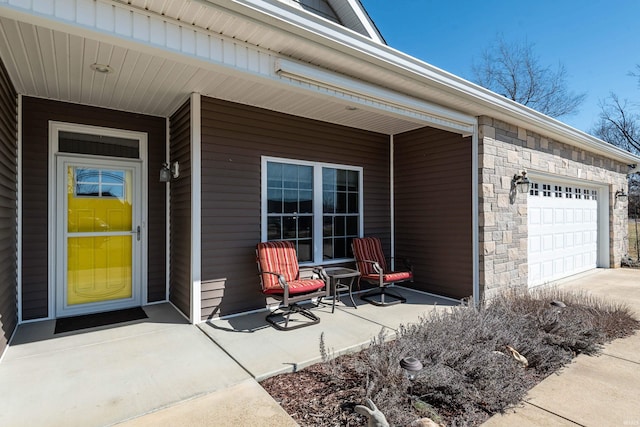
36,116
180,211
234,137
433,209
8,208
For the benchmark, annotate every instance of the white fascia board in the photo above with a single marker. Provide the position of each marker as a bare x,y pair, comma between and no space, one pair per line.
366,21
356,45
358,11
436,115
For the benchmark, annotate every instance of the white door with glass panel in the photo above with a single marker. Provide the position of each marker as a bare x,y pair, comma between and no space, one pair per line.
98,241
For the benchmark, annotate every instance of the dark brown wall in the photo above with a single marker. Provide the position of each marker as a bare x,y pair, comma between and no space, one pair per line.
180,211
234,137
8,212
36,116
433,209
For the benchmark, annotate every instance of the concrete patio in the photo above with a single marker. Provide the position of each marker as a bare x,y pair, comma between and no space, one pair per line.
163,371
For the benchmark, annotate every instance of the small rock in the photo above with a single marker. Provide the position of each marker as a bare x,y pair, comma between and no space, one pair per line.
558,303
425,422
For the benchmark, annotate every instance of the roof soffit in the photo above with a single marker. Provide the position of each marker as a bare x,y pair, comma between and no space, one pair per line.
335,48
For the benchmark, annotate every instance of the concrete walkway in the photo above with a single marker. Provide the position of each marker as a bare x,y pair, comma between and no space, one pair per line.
592,391
164,372
106,375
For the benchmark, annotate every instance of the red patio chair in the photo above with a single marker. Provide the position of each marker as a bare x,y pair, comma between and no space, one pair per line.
280,278
372,266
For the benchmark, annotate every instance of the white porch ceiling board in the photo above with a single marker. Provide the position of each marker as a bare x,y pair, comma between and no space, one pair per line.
172,79
48,53
19,66
89,53
75,58
61,51
132,68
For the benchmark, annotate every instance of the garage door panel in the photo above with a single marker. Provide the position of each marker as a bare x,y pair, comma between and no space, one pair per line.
559,213
563,230
568,240
534,215
535,244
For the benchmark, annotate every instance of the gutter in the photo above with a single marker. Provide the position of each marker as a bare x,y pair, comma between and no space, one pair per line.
335,37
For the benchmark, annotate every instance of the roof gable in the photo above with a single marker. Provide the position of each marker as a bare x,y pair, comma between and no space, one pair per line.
348,13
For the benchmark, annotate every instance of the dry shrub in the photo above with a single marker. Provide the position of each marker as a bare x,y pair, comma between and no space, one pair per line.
468,372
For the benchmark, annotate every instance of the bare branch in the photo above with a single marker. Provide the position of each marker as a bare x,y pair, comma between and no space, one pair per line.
618,124
514,71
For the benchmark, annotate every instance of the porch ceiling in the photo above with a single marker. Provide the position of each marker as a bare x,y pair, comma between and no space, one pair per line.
54,64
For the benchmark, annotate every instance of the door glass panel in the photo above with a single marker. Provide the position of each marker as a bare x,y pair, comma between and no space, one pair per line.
98,200
98,145
99,239
99,269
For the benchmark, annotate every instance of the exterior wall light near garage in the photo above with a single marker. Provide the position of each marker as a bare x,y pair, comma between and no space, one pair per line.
621,195
522,182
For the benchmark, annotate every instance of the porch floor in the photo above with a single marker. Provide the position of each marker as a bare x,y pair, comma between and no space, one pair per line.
175,373
265,351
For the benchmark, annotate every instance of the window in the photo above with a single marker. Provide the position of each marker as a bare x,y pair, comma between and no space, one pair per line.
546,190
317,206
568,192
558,190
99,183
534,189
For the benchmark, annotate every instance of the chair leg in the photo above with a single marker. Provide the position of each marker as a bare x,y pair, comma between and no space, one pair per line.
383,292
286,313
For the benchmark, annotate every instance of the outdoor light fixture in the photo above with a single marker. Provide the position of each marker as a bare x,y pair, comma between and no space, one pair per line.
621,195
411,366
101,68
169,171
521,182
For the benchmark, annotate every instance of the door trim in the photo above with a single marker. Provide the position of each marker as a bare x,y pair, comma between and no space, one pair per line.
54,128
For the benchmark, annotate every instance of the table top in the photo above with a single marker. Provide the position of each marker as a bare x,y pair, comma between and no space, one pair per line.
339,272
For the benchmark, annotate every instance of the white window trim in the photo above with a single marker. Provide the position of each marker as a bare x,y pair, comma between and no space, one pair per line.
317,203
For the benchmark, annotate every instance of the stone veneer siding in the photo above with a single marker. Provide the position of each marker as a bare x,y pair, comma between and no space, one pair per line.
505,150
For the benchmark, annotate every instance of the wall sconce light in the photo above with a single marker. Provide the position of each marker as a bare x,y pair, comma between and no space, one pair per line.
621,195
522,182
169,171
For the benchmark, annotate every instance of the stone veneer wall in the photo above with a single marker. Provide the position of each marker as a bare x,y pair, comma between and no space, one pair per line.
505,150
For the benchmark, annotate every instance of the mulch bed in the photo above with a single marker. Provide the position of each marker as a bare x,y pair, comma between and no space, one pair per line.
468,374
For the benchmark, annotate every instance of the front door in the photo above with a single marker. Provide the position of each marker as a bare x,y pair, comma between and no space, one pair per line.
98,243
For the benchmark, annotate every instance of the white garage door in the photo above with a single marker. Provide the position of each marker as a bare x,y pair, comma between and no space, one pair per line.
563,231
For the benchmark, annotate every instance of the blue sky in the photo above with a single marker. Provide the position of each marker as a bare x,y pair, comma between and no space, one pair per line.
598,41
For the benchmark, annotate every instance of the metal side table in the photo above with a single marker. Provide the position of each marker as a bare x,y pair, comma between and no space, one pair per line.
341,279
